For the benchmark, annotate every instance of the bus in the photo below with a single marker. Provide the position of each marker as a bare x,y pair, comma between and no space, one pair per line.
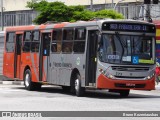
117,55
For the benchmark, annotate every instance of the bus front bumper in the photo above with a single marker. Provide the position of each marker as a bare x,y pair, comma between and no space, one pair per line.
106,83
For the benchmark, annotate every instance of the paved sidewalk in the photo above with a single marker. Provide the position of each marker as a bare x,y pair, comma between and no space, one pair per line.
10,82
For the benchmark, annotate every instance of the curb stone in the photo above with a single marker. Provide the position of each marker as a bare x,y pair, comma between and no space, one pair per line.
12,82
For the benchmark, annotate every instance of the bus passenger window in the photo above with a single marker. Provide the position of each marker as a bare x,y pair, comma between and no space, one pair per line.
79,47
35,47
67,43
79,42
28,36
68,34
67,47
56,40
35,42
10,42
54,47
26,46
27,41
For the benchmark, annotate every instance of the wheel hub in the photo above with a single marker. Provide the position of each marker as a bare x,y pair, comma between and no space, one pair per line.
76,84
27,79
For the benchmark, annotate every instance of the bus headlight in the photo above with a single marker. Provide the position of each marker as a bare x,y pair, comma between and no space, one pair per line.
149,76
106,73
110,76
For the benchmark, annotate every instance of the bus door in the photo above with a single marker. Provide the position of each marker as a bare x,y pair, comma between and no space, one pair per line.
44,56
91,58
17,55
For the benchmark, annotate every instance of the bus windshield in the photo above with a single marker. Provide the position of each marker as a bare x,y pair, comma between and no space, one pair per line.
126,49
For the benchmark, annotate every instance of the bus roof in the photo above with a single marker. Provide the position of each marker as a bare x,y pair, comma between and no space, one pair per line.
74,24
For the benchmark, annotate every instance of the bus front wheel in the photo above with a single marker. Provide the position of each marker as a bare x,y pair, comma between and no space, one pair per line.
27,80
78,89
124,93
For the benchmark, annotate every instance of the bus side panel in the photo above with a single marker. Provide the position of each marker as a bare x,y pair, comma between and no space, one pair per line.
8,65
35,66
105,83
4,64
31,60
45,68
18,67
25,61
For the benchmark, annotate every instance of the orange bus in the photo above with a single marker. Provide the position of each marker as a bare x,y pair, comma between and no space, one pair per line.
118,55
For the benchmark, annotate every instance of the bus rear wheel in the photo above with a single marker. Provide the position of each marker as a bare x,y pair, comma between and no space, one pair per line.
78,89
124,93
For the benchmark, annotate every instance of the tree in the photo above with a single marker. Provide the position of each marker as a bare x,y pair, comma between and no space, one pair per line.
59,12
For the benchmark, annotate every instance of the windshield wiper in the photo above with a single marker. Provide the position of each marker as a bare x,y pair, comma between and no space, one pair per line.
118,37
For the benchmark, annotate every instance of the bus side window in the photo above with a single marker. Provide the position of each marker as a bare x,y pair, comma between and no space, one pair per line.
56,41
27,41
67,43
35,42
79,42
10,42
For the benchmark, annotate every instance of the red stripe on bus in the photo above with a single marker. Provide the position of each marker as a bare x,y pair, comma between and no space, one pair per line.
158,38
157,26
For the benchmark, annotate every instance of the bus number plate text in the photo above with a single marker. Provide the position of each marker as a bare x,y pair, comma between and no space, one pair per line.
118,74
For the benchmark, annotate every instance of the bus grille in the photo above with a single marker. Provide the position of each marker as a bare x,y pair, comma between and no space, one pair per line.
129,86
130,77
129,68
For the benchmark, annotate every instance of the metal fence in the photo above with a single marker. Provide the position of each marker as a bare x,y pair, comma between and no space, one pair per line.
17,19
137,11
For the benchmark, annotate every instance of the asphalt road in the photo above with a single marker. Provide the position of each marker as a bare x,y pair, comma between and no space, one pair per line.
52,98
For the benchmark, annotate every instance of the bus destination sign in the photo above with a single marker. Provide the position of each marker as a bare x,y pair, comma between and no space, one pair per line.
128,27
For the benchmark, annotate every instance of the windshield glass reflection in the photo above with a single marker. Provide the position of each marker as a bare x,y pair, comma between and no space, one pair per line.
126,49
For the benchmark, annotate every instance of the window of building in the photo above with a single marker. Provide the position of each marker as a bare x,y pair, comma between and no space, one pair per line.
56,41
67,42
35,42
79,42
10,46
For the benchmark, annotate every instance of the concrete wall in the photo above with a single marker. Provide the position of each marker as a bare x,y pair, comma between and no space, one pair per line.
88,2
16,5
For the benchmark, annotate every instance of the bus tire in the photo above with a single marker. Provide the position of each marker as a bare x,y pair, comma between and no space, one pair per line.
29,85
124,93
78,89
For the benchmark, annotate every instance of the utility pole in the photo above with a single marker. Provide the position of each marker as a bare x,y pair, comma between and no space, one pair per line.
91,7
147,9
2,27
147,15
112,4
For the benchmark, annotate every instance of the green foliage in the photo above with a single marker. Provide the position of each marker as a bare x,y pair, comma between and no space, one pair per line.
58,11
108,14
